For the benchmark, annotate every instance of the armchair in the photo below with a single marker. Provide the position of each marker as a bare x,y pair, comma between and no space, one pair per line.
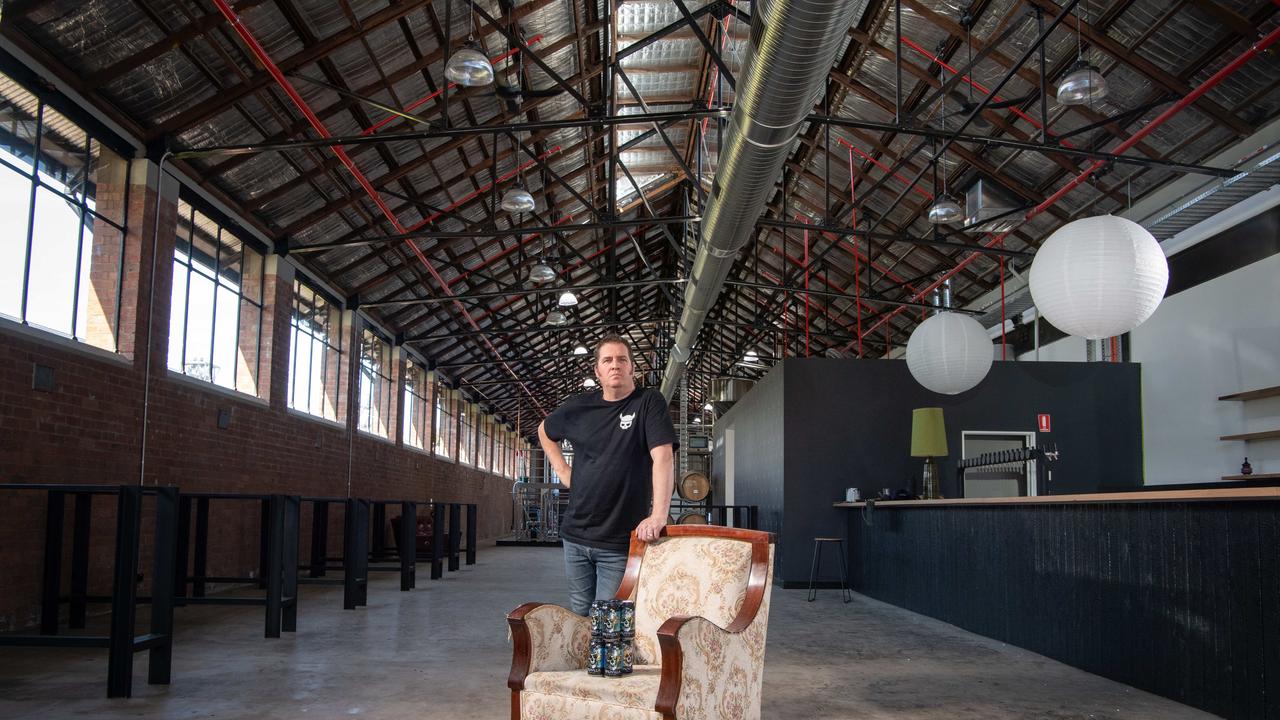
702,608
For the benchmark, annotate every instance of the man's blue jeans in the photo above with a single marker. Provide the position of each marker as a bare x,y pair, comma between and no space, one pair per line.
593,574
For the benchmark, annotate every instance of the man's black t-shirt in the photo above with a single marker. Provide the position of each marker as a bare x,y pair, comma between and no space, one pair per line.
612,480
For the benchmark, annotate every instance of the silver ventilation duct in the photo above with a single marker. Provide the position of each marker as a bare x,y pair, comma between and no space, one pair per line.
793,46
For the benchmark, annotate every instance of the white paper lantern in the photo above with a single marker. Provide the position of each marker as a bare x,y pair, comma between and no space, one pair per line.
949,353
1099,277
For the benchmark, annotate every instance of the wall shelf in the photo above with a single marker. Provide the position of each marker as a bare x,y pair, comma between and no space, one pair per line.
1264,435
1254,394
1255,476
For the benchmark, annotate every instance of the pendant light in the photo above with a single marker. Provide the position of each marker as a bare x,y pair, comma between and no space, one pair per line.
557,318
568,299
468,66
1084,83
541,273
945,209
579,350
517,199
588,383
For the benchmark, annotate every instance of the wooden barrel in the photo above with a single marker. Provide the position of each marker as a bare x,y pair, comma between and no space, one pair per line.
694,486
692,518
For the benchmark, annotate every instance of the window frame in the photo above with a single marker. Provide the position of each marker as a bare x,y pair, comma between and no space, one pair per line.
327,348
382,381
241,298
41,159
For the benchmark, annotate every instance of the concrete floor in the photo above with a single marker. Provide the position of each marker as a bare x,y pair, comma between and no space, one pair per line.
440,651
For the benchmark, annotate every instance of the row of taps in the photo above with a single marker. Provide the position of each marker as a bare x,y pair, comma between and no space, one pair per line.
1048,452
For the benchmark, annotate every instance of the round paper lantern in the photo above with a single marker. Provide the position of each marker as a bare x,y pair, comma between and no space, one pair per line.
1099,277
949,353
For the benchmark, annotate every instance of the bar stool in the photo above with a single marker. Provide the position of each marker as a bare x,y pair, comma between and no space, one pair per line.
818,542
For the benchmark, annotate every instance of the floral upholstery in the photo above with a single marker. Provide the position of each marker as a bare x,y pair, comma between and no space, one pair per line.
600,695
561,639
703,577
721,672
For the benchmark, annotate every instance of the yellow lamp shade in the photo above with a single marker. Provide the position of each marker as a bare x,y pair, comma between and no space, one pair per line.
928,433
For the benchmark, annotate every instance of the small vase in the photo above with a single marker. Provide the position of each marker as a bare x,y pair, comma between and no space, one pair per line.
1246,468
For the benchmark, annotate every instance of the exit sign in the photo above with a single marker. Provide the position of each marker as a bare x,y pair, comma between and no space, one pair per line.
1042,422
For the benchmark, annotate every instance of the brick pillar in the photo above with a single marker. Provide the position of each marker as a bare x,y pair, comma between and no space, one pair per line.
396,422
346,381
107,250
277,310
152,320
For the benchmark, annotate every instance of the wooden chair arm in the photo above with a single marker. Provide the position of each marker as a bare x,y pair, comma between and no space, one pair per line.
522,641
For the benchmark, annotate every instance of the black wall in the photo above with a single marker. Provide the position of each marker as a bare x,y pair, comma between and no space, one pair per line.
1176,598
756,421
848,423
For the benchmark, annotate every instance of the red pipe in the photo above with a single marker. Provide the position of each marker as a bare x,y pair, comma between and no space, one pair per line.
523,241
881,165
1213,81
418,103
261,54
480,191
806,293
976,85
853,222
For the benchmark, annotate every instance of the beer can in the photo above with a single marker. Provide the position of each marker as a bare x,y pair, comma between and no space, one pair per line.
628,656
596,615
627,619
596,657
612,620
613,654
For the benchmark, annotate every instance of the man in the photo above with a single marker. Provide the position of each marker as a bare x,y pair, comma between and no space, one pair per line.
622,442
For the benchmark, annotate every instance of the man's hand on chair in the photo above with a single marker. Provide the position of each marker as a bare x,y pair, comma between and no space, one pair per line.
649,528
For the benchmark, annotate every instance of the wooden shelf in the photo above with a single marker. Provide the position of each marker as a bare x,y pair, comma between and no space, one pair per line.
1264,435
1254,394
1255,476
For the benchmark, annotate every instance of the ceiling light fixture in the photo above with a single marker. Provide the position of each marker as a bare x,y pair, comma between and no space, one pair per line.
945,210
568,299
469,67
518,200
556,317
1084,83
707,407
541,272
579,350
588,383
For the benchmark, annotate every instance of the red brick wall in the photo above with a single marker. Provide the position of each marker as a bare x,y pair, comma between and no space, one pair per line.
88,430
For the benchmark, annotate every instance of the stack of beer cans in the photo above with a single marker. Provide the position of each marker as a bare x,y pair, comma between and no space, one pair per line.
613,636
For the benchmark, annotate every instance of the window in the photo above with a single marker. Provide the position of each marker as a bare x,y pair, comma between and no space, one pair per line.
466,433
63,197
315,355
376,386
446,427
499,451
215,314
417,404
484,450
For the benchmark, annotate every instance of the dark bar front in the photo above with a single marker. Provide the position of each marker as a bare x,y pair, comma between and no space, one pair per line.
1174,597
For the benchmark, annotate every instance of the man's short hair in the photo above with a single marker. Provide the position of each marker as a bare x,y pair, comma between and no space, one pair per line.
614,340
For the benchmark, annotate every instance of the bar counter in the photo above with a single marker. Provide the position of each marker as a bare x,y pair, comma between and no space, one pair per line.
1176,592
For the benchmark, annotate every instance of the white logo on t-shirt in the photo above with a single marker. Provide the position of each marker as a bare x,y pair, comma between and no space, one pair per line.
624,421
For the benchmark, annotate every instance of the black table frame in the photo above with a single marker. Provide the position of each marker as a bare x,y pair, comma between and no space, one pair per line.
278,542
121,643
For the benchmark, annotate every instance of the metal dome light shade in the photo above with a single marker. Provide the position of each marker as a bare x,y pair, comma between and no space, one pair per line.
945,210
518,200
580,350
568,299
541,273
469,67
1083,84
556,317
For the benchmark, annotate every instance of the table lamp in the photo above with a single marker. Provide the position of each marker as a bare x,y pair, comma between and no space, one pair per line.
929,440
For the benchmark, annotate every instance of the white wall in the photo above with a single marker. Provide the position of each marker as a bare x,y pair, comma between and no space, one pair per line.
1214,339
1067,349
